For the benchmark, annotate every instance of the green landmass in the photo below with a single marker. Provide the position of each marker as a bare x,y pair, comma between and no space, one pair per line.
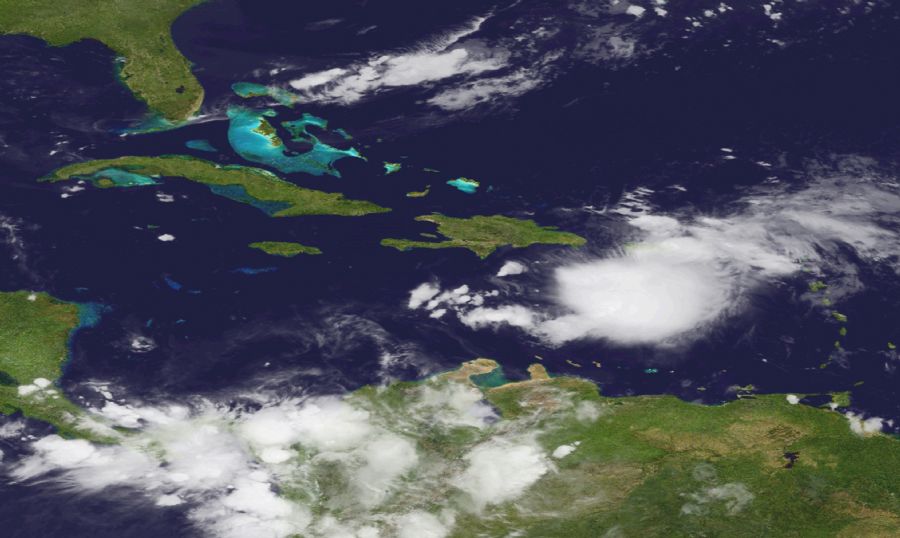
485,234
637,466
257,186
284,248
390,168
419,194
817,286
34,343
152,66
841,399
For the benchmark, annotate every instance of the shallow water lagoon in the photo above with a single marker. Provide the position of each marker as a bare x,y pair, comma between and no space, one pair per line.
464,184
116,177
201,145
249,90
256,140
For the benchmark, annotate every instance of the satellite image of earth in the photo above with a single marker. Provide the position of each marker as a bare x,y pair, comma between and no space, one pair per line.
496,268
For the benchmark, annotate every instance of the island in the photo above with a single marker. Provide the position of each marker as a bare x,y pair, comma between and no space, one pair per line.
391,168
484,234
248,90
419,194
464,184
254,138
284,248
152,67
34,344
255,186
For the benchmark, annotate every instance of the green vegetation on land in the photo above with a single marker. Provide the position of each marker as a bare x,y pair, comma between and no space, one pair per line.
817,285
259,185
34,343
485,234
419,194
284,248
659,466
153,68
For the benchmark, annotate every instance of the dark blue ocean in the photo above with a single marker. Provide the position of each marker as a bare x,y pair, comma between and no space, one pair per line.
223,317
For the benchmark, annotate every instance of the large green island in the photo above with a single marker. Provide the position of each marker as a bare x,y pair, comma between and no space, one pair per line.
153,68
484,234
246,184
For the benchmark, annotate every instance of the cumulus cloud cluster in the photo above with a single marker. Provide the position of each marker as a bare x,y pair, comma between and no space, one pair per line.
321,466
686,271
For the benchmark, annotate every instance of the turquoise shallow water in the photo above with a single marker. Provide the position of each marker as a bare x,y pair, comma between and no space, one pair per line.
123,178
299,128
467,186
248,90
201,145
89,314
494,378
253,138
239,194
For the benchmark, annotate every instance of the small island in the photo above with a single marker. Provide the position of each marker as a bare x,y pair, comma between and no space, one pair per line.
464,184
249,90
284,248
391,168
250,185
152,66
484,234
419,194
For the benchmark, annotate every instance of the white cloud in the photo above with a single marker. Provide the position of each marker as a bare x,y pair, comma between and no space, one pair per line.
860,426
510,268
587,411
422,294
734,495
793,399
473,93
686,272
635,10
166,238
432,62
563,450
648,297
169,500
317,79
501,469
387,458
514,315
419,524
228,464
455,404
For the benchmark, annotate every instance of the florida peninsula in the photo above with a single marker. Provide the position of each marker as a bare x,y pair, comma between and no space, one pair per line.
140,33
